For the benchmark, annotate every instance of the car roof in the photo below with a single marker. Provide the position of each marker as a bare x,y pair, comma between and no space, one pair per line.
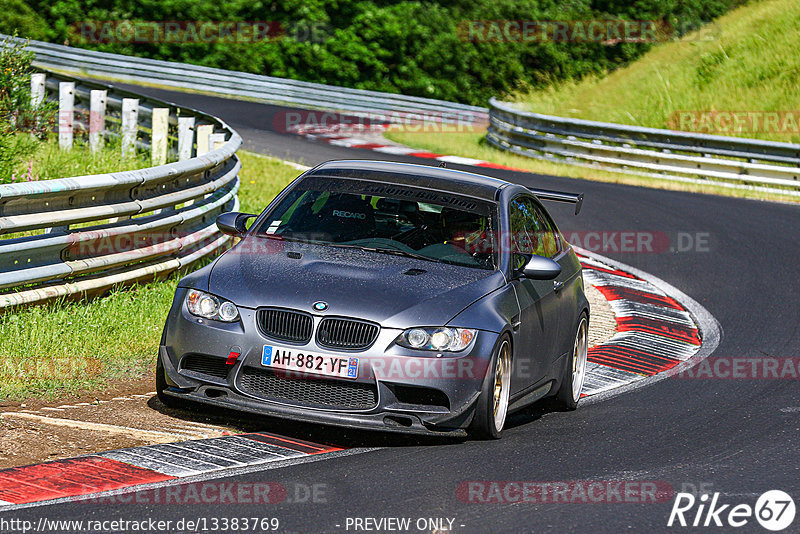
424,176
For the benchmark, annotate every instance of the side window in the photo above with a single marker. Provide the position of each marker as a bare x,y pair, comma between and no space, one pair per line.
531,231
524,236
551,244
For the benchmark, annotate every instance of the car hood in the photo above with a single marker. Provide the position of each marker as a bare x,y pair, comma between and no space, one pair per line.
395,291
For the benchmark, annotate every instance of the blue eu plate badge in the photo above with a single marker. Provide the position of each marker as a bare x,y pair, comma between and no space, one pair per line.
352,368
266,356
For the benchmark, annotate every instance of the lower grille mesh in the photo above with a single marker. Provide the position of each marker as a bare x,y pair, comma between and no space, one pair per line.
207,365
309,391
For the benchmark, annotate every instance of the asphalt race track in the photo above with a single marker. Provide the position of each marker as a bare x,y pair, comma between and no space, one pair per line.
738,437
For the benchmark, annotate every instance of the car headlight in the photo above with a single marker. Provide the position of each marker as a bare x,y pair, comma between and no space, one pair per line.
439,339
208,306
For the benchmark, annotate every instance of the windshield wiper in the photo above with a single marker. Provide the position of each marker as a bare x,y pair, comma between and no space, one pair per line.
405,253
394,252
278,237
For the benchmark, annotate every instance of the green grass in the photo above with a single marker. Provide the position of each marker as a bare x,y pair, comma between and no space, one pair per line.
262,178
49,161
64,348
746,60
58,348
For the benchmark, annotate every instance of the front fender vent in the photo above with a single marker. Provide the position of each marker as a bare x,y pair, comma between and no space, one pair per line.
207,365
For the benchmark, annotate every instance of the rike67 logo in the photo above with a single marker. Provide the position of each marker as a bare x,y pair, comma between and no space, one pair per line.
774,510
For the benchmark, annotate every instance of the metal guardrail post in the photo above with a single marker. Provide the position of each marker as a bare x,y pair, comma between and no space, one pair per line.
185,137
97,119
204,132
130,125
216,140
66,108
158,140
37,89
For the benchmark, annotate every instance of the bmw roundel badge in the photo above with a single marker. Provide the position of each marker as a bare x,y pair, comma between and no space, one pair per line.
320,305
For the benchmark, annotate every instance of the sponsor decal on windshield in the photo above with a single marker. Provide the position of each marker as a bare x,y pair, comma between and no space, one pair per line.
349,214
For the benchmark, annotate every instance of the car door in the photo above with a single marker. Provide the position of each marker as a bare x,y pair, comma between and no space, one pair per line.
537,330
567,285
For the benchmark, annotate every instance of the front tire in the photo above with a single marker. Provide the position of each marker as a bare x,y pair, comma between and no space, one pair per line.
492,406
569,393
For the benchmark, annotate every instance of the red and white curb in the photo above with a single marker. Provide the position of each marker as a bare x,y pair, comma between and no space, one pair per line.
125,468
338,138
654,331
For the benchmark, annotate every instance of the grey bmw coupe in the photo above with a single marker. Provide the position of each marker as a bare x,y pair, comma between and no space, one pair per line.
384,296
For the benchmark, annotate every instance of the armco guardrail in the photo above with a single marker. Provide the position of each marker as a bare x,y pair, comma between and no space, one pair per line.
242,84
115,228
666,154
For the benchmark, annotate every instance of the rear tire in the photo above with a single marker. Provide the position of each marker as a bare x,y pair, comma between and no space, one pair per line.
161,385
492,406
569,393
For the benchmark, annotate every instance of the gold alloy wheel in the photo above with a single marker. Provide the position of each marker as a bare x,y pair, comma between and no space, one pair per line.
502,379
579,356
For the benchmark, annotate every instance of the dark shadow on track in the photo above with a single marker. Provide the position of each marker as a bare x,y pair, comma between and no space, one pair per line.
328,434
317,433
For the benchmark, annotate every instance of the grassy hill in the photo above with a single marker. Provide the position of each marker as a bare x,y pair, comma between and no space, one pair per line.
747,60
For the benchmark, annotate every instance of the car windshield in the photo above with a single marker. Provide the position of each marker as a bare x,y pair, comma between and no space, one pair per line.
391,219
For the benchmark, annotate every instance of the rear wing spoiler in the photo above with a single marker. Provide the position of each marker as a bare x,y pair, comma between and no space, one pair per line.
559,196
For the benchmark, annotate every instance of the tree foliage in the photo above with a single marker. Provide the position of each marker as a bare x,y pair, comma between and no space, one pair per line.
20,123
413,47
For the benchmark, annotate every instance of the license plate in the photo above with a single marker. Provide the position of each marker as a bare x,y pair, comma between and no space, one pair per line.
307,362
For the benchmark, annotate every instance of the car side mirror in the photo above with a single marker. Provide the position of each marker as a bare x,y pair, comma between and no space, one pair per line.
234,223
540,268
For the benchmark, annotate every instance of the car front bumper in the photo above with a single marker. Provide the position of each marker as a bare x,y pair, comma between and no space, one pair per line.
414,391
